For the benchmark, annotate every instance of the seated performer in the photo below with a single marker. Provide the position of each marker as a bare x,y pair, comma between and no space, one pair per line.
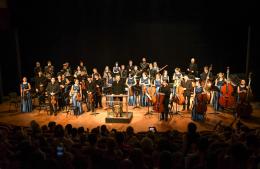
53,89
76,93
40,85
26,100
165,89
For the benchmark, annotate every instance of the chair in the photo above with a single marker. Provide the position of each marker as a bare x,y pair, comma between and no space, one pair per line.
13,100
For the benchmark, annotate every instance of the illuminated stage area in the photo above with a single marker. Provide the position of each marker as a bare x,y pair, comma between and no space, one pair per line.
140,121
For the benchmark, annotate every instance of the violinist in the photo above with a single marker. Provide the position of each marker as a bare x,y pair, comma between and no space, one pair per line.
242,91
90,90
187,87
144,83
130,82
98,94
40,85
193,69
49,70
219,82
152,73
136,73
66,93
78,73
76,93
66,70
83,68
165,89
53,89
95,72
106,73
26,100
177,76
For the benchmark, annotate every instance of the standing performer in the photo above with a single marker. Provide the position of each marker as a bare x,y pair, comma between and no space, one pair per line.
165,89
83,68
116,69
144,65
76,93
53,89
106,73
90,99
219,82
66,93
130,67
165,76
187,87
144,83
123,73
98,94
37,69
95,72
61,101
130,82
40,85
242,91
204,74
152,73
193,69
157,82
49,70
26,100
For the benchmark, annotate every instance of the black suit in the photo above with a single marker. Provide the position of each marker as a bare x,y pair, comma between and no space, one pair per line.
53,88
187,92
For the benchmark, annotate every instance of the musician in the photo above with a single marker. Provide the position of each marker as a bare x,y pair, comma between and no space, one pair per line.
241,90
144,83
66,70
118,87
123,73
205,74
130,67
78,73
198,90
152,73
167,91
95,72
98,94
91,90
130,82
144,65
49,70
116,69
219,82
61,101
40,85
193,68
177,76
83,67
165,76
26,100
136,73
187,86
52,91
76,93
155,67
157,82
66,93
37,68
106,72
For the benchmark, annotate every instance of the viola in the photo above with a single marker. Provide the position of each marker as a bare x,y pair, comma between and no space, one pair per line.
226,99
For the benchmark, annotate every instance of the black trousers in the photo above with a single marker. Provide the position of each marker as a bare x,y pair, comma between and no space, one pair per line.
98,101
164,114
187,97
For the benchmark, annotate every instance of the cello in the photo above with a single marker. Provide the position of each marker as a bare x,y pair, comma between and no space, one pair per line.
158,106
207,85
227,100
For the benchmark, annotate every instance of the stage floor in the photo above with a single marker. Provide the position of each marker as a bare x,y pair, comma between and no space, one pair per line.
140,121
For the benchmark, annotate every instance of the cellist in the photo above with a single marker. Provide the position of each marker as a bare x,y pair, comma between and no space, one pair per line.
165,89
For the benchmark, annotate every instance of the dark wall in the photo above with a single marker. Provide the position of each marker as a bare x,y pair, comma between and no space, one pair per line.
104,31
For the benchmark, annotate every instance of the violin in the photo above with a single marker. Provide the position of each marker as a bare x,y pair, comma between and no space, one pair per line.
91,98
53,100
226,99
78,97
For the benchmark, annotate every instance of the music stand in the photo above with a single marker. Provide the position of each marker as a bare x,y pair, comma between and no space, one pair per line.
149,101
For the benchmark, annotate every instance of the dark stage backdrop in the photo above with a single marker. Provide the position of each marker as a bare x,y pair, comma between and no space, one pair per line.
103,32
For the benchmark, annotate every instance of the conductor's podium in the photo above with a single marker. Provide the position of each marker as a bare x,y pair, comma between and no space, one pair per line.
118,109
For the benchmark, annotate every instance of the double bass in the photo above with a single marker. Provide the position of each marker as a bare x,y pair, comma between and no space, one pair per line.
207,85
227,100
244,108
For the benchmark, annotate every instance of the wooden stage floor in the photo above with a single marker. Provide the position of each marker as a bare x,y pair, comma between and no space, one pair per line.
140,121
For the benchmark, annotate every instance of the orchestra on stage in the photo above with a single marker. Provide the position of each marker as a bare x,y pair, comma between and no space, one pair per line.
145,84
